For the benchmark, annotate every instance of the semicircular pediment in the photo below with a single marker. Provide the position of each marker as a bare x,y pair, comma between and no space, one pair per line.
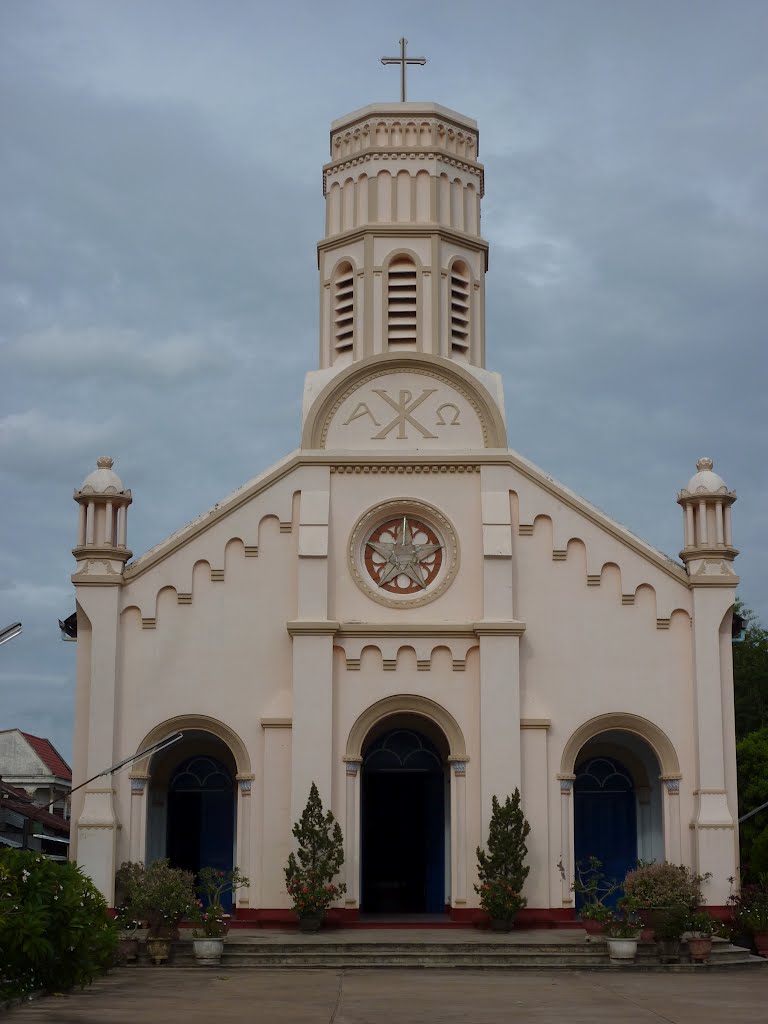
407,403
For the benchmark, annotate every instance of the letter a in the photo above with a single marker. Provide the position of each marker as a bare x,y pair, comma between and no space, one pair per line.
361,409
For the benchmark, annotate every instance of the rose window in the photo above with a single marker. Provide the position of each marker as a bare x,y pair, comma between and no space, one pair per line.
403,555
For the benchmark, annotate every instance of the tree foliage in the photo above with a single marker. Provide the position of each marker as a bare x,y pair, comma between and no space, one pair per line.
750,684
750,675
752,763
502,869
310,871
55,929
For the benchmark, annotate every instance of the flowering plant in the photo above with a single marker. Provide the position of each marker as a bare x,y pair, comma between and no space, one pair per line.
312,895
501,869
750,906
500,899
159,894
207,913
310,871
653,885
213,883
594,889
210,922
624,924
55,929
701,925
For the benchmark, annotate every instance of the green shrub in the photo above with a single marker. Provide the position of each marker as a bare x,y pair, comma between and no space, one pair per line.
310,871
55,929
502,870
663,885
158,894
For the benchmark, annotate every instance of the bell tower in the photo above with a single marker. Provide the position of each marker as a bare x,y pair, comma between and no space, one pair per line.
402,264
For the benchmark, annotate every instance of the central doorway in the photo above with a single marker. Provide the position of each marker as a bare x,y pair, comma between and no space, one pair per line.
404,795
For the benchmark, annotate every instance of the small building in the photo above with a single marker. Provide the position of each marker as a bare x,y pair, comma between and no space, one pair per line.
33,765
24,826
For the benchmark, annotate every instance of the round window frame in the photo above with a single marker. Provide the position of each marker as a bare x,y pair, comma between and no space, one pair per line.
379,514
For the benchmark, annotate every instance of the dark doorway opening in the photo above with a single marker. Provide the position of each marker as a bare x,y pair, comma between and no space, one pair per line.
605,818
403,825
201,817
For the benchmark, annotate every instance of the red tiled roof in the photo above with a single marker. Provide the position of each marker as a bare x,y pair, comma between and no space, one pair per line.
28,810
49,755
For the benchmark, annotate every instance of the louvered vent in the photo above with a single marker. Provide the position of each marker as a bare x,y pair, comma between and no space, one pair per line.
401,304
344,309
460,285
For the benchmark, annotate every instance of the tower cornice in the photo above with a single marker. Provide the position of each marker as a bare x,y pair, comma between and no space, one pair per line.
343,238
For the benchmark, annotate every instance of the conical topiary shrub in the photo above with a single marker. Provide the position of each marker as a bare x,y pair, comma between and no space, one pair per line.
502,869
310,871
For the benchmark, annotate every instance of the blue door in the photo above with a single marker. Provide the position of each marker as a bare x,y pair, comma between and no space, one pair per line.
403,826
605,817
201,817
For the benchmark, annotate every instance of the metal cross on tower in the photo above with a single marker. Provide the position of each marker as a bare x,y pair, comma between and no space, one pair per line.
402,60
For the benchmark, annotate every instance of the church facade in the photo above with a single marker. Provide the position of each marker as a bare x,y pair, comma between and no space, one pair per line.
405,611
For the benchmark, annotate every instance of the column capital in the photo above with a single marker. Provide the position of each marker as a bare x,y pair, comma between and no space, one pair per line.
566,783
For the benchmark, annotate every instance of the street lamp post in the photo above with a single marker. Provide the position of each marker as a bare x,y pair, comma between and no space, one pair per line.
10,632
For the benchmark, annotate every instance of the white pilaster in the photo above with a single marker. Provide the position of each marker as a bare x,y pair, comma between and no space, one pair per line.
351,838
243,842
458,832
566,838
672,835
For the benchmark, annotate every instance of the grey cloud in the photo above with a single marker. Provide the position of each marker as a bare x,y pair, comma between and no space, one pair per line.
161,197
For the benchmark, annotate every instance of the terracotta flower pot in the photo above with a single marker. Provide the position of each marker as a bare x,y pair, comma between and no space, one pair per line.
310,922
502,924
761,943
668,950
128,949
699,949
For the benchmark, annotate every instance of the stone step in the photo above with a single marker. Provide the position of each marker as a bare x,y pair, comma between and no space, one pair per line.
469,956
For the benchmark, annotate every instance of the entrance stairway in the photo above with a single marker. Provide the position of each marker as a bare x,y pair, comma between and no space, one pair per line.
447,950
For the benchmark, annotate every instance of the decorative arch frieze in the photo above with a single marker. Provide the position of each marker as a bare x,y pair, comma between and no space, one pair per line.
630,582
389,649
234,547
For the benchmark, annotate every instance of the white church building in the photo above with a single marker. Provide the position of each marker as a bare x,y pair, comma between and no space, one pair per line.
404,610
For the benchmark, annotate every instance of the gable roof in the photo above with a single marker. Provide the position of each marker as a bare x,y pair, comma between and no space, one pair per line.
49,755
14,799
503,457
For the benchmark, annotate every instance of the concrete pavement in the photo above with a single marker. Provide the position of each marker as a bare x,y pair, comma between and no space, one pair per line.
215,996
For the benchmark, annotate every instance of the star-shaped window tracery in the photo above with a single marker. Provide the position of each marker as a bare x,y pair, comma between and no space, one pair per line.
403,556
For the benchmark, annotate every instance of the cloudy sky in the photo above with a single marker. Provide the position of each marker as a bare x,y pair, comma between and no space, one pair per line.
160,200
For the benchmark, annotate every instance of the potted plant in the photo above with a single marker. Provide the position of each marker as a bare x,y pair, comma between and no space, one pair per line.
128,940
310,871
502,870
654,887
127,919
750,911
669,926
622,933
208,916
594,889
162,896
700,930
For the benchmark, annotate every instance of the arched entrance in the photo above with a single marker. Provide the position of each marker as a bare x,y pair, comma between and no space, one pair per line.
618,810
192,805
405,809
